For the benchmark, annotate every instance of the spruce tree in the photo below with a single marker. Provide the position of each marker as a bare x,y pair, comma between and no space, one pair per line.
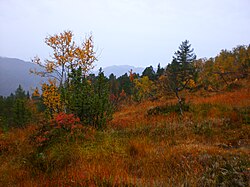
181,70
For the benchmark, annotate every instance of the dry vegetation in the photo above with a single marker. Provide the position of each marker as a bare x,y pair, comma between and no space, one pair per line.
208,146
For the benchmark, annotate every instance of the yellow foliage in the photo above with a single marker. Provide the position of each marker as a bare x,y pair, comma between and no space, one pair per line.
191,83
144,86
51,97
36,93
66,56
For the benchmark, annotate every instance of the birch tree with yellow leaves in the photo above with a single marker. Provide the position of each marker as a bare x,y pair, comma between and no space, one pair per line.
67,55
69,90
52,98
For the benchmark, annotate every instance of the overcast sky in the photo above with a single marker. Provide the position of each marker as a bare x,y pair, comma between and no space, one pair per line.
132,32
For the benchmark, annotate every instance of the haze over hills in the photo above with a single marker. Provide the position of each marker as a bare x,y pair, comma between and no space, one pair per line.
120,70
14,71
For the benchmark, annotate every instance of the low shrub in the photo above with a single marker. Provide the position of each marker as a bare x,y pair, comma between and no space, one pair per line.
61,126
55,142
204,128
231,170
244,114
166,109
53,159
233,86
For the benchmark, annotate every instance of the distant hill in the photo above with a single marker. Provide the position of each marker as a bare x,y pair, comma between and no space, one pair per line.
14,72
120,70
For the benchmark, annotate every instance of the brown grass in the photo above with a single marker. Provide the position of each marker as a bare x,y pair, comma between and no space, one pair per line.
208,146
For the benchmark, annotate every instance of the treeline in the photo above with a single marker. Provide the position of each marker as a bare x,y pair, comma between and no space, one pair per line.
93,99
213,74
16,109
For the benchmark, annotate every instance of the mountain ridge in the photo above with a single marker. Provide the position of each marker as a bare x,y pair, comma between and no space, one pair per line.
15,72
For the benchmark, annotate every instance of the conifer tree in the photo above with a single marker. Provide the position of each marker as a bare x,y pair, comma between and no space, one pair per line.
180,72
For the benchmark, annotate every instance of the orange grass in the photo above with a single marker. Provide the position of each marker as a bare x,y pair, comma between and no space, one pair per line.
239,98
137,149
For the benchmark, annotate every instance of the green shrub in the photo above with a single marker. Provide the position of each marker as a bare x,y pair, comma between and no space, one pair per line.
89,100
166,109
244,114
55,158
204,128
233,86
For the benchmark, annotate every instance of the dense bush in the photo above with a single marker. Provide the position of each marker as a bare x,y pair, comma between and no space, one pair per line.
63,127
89,100
52,141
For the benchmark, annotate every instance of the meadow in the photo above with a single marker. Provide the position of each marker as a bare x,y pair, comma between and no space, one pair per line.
145,144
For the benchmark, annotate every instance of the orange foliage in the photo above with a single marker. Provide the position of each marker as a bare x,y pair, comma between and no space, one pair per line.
66,56
51,97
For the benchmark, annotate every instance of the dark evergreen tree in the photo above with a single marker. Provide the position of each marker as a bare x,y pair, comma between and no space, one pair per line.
150,73
101,107
78,95
183,61
113,85
14,111
22,114
160,71
28,95
125,84
89,100
20,93
181,70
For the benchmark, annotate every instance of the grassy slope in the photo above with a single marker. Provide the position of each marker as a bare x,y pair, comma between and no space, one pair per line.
208,146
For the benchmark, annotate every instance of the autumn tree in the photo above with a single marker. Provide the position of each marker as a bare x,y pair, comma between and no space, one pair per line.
242,60
51,98
145,87
35,95
232,65
225,69
180,72
66,56
78,93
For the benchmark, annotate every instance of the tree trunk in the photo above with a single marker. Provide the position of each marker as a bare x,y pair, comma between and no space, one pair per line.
179,100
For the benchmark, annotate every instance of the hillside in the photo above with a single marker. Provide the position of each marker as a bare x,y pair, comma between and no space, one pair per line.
208,146
185,125
14,72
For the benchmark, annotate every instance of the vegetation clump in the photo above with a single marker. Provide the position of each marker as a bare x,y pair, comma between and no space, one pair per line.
90,130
